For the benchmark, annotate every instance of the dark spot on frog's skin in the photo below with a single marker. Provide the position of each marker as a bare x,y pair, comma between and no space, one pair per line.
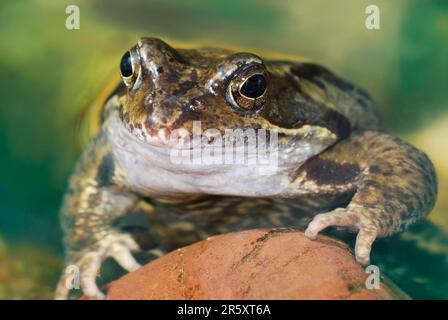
184,87
333,120
363,94
371,183
318,74
120,112
172,76
340,83
179,57
106,171
430,179
310,72
330,172
194,76
404,214
428,198
414,185
337,123
362,102
387,196
387,149
185,116
375,169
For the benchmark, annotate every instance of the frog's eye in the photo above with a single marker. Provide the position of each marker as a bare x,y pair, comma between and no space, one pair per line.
247,90
126,65
254,87
129,68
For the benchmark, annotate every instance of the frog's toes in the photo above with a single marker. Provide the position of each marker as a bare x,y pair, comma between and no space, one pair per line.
62,288
336,218
89,267
121,252
117,246
364,241
367,232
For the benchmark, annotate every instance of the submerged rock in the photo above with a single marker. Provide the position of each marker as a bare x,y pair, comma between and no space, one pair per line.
255,264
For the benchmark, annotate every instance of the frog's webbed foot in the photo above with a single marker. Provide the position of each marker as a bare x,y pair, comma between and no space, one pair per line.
117,246
351,219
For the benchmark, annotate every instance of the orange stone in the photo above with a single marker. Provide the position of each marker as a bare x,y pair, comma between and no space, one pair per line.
254,264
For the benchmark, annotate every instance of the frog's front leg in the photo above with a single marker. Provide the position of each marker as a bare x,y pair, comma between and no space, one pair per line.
393,183
91,205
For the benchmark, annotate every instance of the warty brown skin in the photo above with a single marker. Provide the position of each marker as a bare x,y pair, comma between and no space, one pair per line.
351,174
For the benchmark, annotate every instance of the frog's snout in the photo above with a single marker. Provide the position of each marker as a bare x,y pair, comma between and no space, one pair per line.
158,54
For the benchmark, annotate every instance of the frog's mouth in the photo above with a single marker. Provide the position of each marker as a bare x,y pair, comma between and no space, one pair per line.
242,146
261,170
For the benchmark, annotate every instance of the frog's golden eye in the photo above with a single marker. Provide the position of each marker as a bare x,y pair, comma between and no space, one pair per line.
247,90
254,87
130,68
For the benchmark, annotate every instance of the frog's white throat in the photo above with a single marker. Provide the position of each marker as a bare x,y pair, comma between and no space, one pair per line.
157,170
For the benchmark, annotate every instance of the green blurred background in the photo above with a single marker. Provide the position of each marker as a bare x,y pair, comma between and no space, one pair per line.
48,74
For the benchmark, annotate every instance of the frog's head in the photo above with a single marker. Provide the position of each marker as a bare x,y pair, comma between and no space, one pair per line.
169,89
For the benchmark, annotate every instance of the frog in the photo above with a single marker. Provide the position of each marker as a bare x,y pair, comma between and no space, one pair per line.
336,166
